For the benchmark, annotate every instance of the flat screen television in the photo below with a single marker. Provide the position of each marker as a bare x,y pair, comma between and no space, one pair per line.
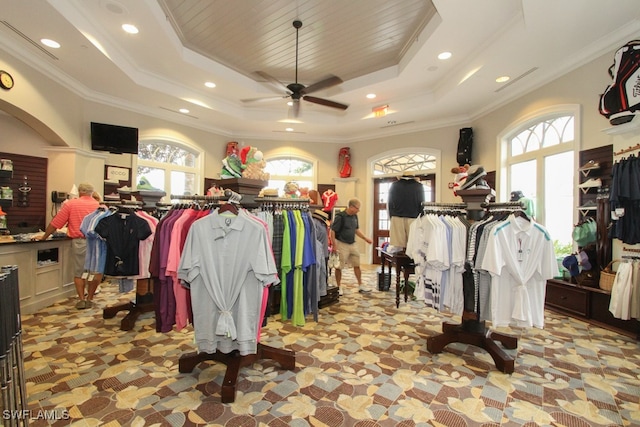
113,138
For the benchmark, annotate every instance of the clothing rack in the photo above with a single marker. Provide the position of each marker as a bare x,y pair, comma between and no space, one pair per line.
494,206
234,360
13,392
142,304
274,204
627,150
282,203
473,331
144,287
196,197
444,205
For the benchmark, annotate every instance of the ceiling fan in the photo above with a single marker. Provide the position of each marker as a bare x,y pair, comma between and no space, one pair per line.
297,91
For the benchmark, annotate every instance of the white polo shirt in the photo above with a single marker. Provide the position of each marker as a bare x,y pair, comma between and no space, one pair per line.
520,258
227,261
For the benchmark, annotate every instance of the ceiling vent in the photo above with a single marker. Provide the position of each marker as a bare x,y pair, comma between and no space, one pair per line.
512,81
29,40
393,123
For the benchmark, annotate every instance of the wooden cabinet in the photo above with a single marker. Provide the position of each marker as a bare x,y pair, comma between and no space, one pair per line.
589,304
567,297
45,273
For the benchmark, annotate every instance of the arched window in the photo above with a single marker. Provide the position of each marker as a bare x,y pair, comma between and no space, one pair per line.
284,169
168,165
539,161
397,164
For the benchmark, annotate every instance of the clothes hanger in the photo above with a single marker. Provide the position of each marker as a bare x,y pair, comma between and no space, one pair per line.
228,208
522,214
232,203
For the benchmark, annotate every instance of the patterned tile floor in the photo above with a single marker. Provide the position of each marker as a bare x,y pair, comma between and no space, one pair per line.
364,363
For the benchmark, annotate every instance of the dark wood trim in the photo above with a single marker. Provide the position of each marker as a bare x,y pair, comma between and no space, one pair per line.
588,304
27,211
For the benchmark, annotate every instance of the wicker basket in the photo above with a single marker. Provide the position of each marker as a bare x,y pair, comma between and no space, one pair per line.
608,276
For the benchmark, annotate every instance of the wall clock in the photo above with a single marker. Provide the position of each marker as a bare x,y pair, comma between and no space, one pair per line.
6,80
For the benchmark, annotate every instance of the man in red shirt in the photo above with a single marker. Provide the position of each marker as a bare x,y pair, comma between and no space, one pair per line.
71,214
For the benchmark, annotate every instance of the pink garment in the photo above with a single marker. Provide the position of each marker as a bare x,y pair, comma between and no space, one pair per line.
144,251
181,294
265,292
263,309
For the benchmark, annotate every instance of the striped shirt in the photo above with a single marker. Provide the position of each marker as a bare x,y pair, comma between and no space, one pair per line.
72,213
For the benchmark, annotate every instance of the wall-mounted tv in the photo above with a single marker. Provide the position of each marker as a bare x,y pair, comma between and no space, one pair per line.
113,138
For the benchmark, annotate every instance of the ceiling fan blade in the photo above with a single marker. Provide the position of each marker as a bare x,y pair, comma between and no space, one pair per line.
325,102
322,84
267,99
271,81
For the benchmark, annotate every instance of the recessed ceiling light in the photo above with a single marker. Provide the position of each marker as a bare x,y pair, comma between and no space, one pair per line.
289,129
183,110
129,28
290,103
371,95
51,43
210,84
444,55
502,79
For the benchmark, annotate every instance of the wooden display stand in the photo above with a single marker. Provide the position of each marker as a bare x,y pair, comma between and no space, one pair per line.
142,304
235,361
404,266
244,186
471,330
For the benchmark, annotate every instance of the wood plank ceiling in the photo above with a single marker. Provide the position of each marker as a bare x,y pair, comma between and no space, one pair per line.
258,35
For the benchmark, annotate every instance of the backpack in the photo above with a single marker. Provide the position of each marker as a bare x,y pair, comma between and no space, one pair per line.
620,101
464,146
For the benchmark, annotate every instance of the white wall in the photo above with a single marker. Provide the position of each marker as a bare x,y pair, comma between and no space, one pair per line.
69,126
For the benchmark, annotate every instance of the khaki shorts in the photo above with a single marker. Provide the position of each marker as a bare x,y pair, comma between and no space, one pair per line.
348,253
78,253
399,232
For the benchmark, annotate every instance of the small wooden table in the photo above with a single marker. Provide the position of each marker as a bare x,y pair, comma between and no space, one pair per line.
404,266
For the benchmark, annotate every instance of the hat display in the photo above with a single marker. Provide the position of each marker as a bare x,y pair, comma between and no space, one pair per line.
321,215
584,260
571,263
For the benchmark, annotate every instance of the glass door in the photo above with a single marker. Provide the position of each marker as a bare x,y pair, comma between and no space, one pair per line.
381,220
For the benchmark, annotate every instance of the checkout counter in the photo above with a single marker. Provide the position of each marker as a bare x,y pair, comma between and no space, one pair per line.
45,270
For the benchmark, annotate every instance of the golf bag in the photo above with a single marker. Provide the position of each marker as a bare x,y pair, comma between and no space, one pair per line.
464,146
620,101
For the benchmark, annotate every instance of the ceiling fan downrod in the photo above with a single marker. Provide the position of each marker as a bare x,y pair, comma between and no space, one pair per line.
297,24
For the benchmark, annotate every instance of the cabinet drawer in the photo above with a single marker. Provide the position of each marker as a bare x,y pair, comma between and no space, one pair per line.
568,298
